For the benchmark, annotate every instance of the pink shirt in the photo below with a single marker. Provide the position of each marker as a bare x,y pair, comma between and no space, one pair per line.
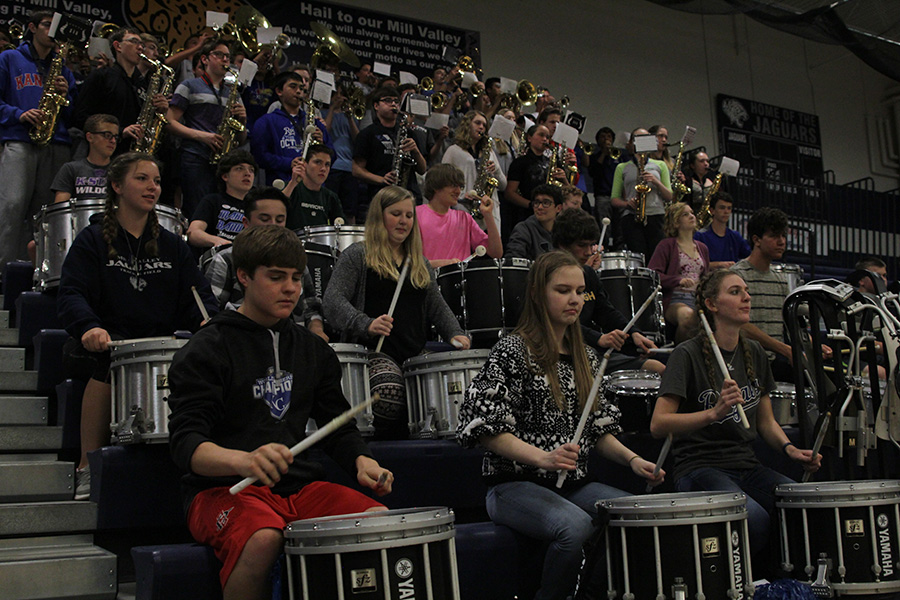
452,235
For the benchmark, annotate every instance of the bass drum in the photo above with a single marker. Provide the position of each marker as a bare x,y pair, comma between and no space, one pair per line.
854,524
320,262
435,387
688,545
139,372
486,295
338,237
784,404
404,553
627,290
57,226
621,260
635,393
793,274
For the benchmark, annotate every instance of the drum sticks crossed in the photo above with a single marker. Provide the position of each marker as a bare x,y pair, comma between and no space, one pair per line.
595,388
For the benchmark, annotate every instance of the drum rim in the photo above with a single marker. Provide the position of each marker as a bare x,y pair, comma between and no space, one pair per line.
146,344
661,502
348,347
453,354
355,524
843,489
406,537
498,264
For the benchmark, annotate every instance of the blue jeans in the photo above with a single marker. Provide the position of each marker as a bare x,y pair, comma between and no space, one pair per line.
198,179
562,519
759,485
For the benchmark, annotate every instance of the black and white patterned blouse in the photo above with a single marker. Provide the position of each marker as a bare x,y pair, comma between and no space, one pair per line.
509,396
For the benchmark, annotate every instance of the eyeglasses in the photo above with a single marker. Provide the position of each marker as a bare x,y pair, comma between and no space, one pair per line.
106,135
390,100
545,203
221,55
135,41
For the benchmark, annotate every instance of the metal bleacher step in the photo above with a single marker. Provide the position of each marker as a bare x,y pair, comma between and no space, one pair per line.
18,381
27,438
56,567
35,478
23,410
12,359
9,337
4,316
47,518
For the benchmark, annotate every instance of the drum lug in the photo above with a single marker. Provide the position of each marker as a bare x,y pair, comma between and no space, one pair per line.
131,428
679,590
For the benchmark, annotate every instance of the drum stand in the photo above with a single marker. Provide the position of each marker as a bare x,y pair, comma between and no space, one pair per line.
860,429
130,429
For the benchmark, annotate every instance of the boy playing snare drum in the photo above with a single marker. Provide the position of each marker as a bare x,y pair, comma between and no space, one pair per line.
243,390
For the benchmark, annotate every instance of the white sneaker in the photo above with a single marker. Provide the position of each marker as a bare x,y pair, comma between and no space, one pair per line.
83,483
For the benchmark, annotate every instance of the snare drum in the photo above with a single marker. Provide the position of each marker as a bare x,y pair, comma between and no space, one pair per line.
486,295
689,545
435,386
354,359
784,404
855,524
793,274
57,226
621,260
635,393
320,262
628,289
139,371
338,237
405,553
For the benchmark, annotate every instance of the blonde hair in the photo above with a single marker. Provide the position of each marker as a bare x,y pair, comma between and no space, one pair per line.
673,214
535,329
378,250
463,135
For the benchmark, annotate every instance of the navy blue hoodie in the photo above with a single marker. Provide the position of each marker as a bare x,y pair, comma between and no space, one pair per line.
151,300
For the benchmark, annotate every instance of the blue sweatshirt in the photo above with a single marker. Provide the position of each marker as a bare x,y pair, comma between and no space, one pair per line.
21,87
152,299
277,139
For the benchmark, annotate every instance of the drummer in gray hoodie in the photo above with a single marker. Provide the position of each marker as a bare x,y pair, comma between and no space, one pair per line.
532,237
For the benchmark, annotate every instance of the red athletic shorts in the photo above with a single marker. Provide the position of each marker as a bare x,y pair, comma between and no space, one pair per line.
226,522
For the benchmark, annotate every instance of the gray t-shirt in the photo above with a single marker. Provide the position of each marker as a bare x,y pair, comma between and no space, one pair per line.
81,179
768,289
725,444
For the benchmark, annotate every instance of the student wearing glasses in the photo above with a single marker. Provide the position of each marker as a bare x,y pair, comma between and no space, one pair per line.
118,89
533,236
85,179
373,154
195,112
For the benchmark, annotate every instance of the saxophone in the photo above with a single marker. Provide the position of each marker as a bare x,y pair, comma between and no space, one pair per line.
485,183
51,102
641,189
705,213
679,189
399,155
229,127
571,170
161,82
554,163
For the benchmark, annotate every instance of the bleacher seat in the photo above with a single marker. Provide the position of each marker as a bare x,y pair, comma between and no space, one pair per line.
17,277
35,311
48,345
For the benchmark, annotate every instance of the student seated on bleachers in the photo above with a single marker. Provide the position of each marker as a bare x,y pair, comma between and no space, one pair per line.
123,278
243,390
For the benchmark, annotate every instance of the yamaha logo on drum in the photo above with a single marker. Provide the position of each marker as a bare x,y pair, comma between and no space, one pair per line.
403,568
884,545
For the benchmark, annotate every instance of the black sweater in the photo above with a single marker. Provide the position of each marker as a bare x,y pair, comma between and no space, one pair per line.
230,387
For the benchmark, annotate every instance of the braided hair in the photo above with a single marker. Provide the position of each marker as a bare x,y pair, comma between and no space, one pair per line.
116,173
708,289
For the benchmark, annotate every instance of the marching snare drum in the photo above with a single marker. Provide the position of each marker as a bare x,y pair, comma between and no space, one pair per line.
354,359
486,295
57,226
784,404
793,274
338,237
855,524
139,371
688,545
621,260
627,290
405,553
635,393
435,386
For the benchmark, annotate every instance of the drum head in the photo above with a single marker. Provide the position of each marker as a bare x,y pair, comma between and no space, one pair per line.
633,381
689,506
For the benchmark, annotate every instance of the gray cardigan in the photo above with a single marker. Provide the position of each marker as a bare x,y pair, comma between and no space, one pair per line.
345,300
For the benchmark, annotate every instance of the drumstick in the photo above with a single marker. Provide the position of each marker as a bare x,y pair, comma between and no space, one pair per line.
479,251
817,445
721,361
310,129
333,424
595,388
396,297
667,445
603,231
200,305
